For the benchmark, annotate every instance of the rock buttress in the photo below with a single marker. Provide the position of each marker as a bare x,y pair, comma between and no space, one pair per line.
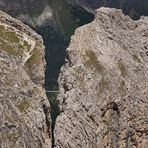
104,88
24,117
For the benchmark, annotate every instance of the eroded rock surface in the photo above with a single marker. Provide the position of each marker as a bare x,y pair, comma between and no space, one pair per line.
104,85
24,108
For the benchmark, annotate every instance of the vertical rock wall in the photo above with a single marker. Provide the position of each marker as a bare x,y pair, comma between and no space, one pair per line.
104,85
24,108
134,8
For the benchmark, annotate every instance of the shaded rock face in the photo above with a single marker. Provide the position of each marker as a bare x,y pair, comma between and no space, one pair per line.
25,6
24,117
41,12
104,85
33,12
134,8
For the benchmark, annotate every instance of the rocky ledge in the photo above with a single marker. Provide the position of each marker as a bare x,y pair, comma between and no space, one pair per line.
24,117
104,85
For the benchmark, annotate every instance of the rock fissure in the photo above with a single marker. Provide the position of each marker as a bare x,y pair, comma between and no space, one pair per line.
56,39
56,60
99,67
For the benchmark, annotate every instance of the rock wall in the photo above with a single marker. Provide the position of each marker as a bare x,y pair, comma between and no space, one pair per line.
25,111
21,6
32,12
134,8
104,85
41,12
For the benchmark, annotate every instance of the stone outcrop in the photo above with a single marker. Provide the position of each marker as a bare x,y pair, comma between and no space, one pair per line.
104,85
134,8
24,108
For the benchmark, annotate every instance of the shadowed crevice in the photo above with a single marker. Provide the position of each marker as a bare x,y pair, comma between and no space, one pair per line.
56,40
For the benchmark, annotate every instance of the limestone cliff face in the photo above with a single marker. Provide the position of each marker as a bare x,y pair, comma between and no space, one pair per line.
24,108
134,8
104,85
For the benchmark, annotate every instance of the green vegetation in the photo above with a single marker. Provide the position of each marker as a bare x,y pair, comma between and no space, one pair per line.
11,43
67,22
24,105
5,46
8,41
11,37
91,61
36,58
35,12
122,69
8,35
64,18
68,17
26,45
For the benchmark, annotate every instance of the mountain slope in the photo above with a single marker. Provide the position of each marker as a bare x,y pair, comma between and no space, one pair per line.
25,110
104,85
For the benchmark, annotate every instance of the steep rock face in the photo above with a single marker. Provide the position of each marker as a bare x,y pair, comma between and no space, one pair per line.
134,8
24,117
40,12
17,6
33,12
104,85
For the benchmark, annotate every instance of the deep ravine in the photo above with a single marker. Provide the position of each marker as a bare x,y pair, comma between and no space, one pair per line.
56,40
57,33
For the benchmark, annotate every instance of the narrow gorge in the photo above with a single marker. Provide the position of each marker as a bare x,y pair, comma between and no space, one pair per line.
56,22
99,97
56,38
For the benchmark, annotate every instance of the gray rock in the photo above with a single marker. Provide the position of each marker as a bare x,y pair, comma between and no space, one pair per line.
104,87
24,109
